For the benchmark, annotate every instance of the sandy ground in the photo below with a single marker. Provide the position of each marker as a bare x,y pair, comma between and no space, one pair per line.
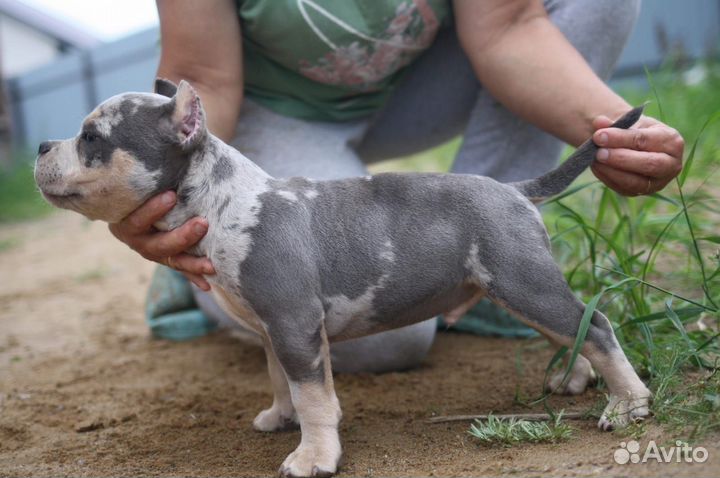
84,390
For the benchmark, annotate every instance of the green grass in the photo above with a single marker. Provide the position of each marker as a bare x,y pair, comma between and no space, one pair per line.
651,264
19,197
92,275
7,244
512,431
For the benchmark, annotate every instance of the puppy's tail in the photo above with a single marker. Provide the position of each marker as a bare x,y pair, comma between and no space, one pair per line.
557,180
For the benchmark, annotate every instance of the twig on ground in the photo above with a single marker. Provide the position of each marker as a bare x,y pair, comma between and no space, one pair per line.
531,417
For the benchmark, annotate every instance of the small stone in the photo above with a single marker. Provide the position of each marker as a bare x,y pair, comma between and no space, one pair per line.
89,426
127,418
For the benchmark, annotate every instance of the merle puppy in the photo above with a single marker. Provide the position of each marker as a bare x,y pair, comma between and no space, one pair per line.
304,262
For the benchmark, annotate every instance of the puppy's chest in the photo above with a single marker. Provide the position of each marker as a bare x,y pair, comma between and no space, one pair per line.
231,218
227,250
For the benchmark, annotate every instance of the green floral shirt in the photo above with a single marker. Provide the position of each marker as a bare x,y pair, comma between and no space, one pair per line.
332,60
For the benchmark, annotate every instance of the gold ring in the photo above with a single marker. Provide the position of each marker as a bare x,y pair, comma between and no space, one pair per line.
169,262
649,186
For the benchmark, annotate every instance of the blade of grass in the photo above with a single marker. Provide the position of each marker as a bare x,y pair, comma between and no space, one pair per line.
696,248
660,289
679,326
684,313
691,156
655,93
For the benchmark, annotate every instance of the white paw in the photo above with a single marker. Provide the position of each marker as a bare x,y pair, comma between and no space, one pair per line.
624,410
275,419
581,376
312,460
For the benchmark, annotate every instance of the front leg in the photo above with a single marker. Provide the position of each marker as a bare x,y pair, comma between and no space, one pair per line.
305,358
281,415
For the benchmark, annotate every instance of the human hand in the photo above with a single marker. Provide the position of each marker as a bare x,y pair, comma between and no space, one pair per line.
166,248
640,160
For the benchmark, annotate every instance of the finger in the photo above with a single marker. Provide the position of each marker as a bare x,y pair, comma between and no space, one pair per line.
601,121
192,264
654,165
174,242
598,172
198,281
142,219
627,184
659,139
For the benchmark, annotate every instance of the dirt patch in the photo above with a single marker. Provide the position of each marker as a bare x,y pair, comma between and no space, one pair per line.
84,391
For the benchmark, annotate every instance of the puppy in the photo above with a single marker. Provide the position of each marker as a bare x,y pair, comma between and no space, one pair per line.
304,262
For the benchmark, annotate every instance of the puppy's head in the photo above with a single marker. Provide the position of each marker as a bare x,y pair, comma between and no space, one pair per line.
129,148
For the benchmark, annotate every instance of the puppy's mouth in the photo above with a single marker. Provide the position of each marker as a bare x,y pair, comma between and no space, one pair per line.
62,198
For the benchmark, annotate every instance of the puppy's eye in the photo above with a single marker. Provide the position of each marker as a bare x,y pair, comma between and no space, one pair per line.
88,137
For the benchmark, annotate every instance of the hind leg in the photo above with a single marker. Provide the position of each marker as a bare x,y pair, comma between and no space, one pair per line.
281,415
580,377
534,289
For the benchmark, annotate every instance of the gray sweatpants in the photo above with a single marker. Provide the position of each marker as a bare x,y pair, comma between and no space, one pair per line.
438,99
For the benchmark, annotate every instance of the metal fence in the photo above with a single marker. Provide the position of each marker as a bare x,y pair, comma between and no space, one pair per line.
52,101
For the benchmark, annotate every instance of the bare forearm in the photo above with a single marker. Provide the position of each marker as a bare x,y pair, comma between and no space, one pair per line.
533,70
202,43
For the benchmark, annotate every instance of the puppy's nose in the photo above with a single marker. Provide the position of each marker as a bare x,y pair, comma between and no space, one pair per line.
45,147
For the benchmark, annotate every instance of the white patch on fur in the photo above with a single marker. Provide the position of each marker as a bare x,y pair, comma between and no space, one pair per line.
343,312
144,181
136,102
107,116
310,193
472,262
628,395
289,195
318,411
388,253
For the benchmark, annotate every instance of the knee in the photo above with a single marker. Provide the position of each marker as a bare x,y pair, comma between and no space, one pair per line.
599,30
615,17
618,16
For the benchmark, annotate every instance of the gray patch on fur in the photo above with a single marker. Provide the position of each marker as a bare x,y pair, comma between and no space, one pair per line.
222,169
223,206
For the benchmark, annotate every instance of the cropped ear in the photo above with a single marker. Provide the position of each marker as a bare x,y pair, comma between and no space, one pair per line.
187,116
165,87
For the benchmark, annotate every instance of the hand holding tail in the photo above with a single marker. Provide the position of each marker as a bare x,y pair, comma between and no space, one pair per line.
640,160
617,135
